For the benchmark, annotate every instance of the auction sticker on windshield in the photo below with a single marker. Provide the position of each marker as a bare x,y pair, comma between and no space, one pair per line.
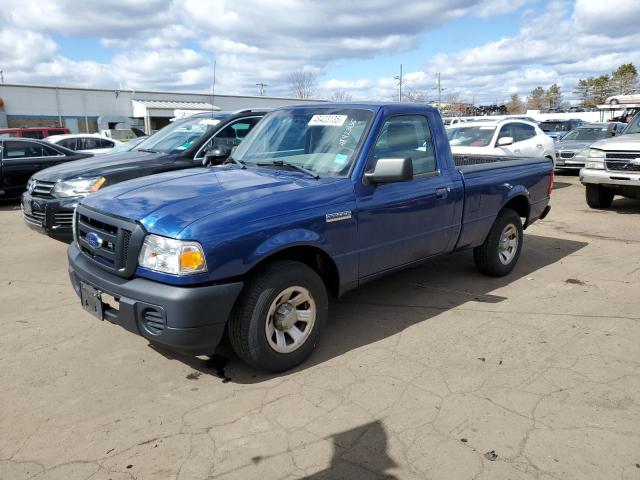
327,120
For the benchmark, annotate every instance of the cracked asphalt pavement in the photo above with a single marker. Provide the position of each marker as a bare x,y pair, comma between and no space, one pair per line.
433,373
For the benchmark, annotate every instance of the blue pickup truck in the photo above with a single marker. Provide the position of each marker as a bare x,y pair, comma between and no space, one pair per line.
317,200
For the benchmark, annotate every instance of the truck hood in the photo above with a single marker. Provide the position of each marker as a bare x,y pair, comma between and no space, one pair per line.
169,202
625,142
572,145
101,166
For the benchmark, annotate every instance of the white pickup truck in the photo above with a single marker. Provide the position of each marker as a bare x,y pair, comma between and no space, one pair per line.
613,167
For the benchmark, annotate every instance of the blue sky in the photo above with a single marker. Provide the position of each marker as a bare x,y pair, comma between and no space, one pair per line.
484,49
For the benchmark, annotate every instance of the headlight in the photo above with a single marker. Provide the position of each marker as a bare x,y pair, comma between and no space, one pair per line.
78,187
583,153
595,159
168,255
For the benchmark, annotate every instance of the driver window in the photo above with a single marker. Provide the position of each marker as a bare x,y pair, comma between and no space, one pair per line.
506,131
232,134
407,136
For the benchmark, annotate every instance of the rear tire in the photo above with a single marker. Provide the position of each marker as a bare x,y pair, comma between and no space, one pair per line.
598,197
277,321
501,249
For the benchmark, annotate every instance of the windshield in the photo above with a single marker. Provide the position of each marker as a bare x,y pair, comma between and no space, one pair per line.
470,136
591,133
555,126
181,134
634,126
323,140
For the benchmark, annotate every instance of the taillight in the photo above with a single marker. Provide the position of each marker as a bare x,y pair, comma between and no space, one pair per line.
553,179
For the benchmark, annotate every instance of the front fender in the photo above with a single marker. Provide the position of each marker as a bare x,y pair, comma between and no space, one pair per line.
296,237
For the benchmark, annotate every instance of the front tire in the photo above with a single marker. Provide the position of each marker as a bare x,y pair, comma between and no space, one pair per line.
277,321
501,249
598,197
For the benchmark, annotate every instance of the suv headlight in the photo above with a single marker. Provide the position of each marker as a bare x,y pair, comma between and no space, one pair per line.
595,159
78,187
172,256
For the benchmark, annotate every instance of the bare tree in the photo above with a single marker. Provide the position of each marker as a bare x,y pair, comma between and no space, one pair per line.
303,83
341,96
515,105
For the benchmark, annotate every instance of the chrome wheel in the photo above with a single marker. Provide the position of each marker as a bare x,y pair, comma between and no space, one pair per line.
508,244
290,319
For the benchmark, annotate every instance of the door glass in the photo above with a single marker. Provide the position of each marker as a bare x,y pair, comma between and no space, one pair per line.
88,143
31,134
17,149
407,137
50,151
69,143
522,131
106,143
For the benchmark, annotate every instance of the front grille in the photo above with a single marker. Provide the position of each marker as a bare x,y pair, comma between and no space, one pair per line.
567,154
153,320
119,241
42,189
63,219
34,218
623,161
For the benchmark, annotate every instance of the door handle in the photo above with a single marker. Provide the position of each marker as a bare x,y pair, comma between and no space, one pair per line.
442,192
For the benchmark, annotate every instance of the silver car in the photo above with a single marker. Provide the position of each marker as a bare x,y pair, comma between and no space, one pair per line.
571,151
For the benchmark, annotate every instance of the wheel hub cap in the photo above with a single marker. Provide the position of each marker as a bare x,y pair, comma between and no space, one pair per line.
290,319
508,244
285,316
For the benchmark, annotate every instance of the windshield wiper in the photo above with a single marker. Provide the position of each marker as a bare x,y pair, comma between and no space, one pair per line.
240,163
280,163
148,150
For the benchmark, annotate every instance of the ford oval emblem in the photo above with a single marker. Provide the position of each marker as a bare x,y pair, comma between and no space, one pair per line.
94,240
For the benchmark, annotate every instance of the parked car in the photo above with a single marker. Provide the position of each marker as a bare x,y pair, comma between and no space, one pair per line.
22,157
613,167
572,150
85,142
33,132
181,144
629,98
128,146
515,138
451,121
557,129
317,200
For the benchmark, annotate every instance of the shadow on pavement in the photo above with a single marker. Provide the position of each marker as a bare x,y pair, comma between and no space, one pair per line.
362,316
625,206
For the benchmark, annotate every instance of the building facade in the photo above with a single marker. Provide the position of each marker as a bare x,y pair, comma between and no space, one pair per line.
93,110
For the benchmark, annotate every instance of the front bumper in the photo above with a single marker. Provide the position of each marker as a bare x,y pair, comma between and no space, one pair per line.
606,177
575,163
50,216
189,320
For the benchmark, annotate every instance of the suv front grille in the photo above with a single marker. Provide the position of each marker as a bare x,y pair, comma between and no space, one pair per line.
42,189
34,218
119,241
623,161
567,154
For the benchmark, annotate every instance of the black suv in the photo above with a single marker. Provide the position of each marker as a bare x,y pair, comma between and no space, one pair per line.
52,194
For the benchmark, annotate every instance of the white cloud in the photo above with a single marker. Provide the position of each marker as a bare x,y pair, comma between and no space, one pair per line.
171,44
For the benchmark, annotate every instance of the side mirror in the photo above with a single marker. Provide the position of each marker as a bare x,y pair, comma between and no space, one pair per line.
216,154
390,170
505,141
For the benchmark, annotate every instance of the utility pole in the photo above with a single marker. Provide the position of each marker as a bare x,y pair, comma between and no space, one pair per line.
1,76
439,92
261,88
399,78
213,88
